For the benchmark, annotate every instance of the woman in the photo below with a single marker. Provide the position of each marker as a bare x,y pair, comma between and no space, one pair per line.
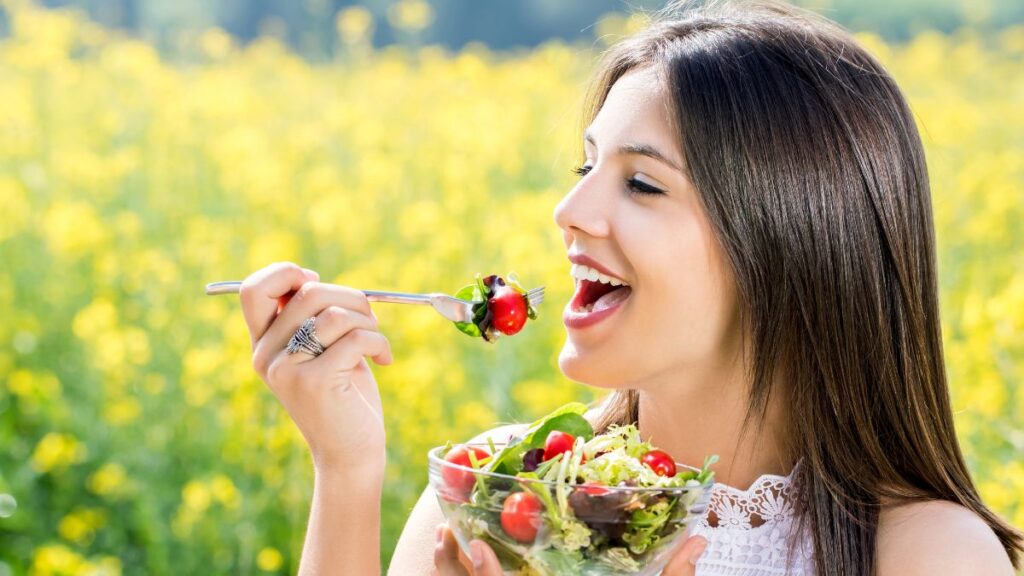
757,181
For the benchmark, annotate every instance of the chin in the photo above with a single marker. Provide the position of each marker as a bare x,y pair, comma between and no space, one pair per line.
593,369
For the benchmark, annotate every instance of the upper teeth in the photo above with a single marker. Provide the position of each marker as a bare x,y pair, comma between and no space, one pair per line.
581,272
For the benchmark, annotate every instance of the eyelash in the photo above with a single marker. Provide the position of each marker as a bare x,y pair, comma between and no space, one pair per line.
632,184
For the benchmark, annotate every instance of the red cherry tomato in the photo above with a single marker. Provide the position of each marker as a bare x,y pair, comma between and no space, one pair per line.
520,516
508,310
594,488
660,462
557,443
282,301
459,481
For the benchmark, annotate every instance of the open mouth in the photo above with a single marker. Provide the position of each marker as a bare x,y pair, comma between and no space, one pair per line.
592,296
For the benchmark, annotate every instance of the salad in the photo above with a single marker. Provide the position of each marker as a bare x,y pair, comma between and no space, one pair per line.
500,306
561,500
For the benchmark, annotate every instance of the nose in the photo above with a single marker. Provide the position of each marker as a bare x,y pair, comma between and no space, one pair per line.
584,209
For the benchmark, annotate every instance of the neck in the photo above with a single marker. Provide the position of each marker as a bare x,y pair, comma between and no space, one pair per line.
703,416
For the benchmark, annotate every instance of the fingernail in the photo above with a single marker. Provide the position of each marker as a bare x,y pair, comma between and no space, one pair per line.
476,554
697,551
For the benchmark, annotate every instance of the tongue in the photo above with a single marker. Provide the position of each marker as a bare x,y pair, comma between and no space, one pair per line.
612,298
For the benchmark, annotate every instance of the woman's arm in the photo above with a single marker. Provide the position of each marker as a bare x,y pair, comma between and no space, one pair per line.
332,397
343,536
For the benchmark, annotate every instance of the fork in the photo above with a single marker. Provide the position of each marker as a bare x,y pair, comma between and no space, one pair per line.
452,308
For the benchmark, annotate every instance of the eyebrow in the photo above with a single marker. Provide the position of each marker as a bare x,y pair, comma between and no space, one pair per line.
641,149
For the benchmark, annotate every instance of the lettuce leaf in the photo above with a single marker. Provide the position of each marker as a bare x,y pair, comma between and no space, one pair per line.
568,419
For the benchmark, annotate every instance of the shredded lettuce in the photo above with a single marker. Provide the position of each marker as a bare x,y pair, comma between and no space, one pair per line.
645,525
620,559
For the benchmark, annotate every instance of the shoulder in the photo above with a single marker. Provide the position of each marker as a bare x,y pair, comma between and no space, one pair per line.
414,552
938,537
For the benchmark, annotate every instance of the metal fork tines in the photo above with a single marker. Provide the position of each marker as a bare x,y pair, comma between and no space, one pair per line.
452,308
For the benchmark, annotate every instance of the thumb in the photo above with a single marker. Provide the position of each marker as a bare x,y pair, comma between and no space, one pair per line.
684,562
485,562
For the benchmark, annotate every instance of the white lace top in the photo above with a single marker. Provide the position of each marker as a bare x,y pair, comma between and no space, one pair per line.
752,534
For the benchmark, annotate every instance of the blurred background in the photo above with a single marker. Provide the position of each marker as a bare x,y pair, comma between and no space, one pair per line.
149,147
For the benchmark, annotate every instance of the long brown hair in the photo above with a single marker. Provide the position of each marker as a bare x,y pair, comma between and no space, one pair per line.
813,176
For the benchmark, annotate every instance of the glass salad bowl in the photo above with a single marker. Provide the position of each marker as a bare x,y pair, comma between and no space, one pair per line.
552,521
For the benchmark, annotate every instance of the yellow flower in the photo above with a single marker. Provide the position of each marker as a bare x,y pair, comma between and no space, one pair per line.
411,14
122,411
99,317
196,496
269,559
224,491
56,560
199,370
34,386
106,566
110,480
81,525
354,25
73,228
215,43
57,451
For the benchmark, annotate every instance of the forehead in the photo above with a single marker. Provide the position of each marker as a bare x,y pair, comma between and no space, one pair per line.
637,111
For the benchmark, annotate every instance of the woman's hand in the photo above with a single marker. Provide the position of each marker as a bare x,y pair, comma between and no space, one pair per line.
332,398
450,561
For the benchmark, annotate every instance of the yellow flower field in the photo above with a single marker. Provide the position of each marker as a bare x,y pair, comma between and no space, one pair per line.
136,437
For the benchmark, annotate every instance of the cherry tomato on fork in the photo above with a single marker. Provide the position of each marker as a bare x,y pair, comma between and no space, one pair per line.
508,310
660,462
520,516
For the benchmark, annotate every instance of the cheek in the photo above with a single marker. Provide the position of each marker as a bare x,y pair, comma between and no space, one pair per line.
687,311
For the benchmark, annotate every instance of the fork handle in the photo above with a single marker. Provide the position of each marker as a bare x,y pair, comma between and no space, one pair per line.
233,286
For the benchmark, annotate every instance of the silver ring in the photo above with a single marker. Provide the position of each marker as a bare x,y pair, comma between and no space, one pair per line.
305,340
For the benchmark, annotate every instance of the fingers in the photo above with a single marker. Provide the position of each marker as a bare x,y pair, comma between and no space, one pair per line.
450,561
684,562
336,364
311,299
485,561
261,291
346,353
446,554
332,323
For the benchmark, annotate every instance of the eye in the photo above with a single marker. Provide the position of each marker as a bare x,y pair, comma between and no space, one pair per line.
636,186
582,171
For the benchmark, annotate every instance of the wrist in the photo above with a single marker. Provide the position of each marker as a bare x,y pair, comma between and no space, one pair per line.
344,522
363,477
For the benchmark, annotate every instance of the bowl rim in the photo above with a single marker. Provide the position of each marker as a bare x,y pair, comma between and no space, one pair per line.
435,460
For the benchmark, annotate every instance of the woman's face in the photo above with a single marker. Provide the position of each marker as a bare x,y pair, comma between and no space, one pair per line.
636,216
